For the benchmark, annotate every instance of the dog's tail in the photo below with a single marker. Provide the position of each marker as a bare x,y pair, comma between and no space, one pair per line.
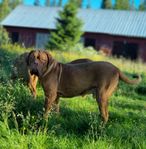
124,78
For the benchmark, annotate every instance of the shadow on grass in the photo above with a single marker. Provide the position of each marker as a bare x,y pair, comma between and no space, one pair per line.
119,117
70,121
130,106
76,122
29,115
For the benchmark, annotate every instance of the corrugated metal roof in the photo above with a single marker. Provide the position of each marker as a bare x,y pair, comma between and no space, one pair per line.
114,22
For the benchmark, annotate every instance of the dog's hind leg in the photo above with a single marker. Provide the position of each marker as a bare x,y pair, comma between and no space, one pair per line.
103,106
103,97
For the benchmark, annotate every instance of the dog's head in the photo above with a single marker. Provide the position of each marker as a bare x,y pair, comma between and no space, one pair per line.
37,62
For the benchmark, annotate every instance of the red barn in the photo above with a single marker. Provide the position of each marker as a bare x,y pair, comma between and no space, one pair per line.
116,32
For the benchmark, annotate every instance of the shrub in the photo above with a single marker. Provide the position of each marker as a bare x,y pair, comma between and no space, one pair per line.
4,38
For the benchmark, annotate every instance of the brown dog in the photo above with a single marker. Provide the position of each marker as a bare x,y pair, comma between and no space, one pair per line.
67,80
20,70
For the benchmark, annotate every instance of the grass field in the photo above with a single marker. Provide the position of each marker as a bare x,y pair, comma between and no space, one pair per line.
78,125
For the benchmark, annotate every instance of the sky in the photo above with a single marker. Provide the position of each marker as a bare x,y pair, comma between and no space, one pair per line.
94,3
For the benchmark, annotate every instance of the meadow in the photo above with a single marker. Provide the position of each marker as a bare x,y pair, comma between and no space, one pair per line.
77,126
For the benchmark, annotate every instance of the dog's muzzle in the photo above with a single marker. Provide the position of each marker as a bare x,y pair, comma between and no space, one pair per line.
34,72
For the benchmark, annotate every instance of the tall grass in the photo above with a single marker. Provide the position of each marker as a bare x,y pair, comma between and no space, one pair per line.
78,125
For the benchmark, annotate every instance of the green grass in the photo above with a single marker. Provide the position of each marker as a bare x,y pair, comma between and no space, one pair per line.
78,125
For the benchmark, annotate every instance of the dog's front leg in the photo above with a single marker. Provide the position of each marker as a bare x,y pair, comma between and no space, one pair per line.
32,82
49,100
56,105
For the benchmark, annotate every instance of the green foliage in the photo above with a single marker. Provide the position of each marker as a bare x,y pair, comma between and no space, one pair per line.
79,2
4,9
4,38
14,3
132,7
6,6
106,4
37,3
8,53
122,5
68,29
60,3
142,6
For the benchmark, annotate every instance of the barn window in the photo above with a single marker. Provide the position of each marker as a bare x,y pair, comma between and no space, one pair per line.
15,37
127,50
90,42
41,40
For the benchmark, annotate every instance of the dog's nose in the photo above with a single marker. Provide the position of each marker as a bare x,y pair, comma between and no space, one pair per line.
36,62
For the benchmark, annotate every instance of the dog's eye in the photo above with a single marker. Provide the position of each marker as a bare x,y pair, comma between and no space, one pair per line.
43,60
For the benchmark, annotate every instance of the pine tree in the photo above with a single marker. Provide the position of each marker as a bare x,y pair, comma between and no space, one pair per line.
37,3
132,7
68,29
122,5
142,6
89,4
6,6
4,38
79,3
60,3
106,4
53,3
14,3
47,3
5,9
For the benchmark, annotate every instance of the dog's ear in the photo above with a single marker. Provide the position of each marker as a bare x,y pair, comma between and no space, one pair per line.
28,56
49,57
